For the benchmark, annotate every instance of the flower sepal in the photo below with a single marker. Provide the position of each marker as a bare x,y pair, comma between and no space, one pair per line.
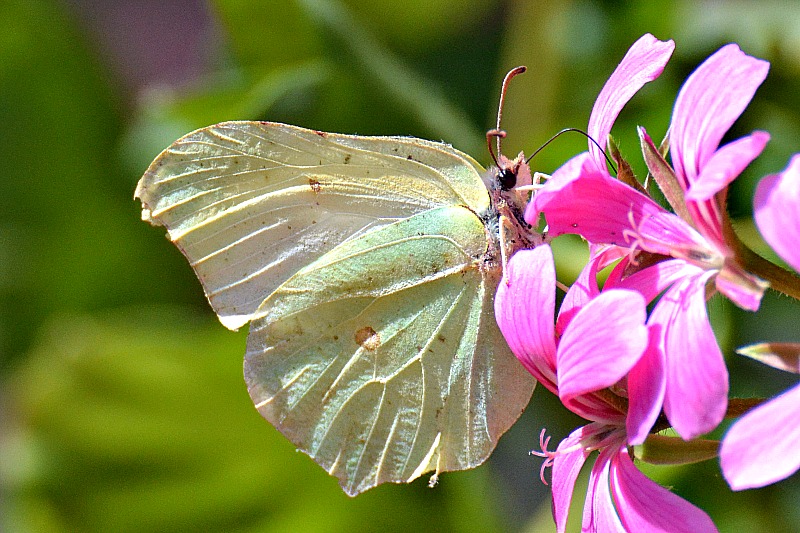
781,355
664,450
740,286
663,174
624,171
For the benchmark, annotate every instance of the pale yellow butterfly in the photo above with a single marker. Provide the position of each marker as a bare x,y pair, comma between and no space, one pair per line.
366,267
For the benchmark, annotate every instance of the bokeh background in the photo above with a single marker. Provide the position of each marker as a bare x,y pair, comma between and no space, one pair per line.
122,404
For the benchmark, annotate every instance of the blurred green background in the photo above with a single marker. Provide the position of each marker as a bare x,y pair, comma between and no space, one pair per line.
122,404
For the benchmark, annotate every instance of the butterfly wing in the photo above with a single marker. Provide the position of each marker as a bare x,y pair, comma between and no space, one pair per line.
372,345
248,203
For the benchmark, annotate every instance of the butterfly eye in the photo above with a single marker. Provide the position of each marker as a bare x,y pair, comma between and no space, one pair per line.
506,178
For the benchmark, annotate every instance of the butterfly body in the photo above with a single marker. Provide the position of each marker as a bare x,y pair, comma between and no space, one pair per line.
366,267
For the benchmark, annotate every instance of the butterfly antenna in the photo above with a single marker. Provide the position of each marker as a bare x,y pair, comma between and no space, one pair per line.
565,130
492,134
511,74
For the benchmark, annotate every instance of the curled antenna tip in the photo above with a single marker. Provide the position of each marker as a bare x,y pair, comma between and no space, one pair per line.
494,134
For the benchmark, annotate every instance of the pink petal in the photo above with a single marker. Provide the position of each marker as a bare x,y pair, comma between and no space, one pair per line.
570,171
580,293
607,253
646,506
653,280
667,234
741,287
599,513
726,164
597,409
646,387
762,446
722,168
524,309
567,464
710,101
697,379
597,207
707,218
777,212
602,343
643,63
618,273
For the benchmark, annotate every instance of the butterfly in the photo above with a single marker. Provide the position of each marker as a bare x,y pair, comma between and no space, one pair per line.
366,268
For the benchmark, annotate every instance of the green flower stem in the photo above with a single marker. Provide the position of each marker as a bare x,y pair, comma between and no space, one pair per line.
663,450
739,406
780,279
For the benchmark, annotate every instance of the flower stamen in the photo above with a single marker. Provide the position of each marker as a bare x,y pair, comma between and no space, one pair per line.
547,455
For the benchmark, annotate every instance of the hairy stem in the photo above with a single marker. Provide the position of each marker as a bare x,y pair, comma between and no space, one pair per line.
780,279
739,406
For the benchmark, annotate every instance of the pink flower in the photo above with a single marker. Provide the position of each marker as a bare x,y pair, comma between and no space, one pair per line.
603,338
763,446
677,254
777,212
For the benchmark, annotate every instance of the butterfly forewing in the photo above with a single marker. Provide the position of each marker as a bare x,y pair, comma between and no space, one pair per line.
362,264
248,203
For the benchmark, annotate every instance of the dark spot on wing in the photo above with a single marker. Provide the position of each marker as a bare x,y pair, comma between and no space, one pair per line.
367,338
314,184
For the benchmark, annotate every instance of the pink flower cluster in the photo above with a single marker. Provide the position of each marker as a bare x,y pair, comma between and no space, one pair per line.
628,371
764,445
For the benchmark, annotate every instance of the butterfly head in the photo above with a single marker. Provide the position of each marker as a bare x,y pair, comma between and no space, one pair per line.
511,173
